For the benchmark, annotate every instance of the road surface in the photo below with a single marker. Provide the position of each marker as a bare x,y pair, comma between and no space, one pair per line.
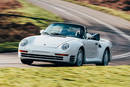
110,27
11,60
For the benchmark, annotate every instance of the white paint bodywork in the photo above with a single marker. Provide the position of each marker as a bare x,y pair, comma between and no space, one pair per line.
51,45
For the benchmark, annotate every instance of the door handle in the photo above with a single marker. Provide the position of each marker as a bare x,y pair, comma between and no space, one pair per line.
98,45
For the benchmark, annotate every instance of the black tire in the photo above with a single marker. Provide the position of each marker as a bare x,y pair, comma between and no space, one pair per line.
26,61
105,59
79,59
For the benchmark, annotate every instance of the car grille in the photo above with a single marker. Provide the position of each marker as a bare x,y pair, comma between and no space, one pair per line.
42,56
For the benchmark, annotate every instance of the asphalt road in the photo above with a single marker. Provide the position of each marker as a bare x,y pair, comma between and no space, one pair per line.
110,27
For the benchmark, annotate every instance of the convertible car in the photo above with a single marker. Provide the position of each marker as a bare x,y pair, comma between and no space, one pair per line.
65,43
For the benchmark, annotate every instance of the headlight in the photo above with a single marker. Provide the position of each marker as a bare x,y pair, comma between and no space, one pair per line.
65,46
24,42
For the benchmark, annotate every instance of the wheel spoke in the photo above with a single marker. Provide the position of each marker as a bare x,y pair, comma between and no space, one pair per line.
106,58
80,56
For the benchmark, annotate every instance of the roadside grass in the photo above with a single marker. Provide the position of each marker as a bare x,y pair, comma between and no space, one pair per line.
8,47
28,13
85,76
114,12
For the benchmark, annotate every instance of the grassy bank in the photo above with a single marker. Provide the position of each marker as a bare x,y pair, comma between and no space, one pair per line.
8,47
24,21
86,76
114,12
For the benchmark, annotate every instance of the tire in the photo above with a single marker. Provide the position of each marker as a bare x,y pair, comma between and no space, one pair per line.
79,59
105,59
25,61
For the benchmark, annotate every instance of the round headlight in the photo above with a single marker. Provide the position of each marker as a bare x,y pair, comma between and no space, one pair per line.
24,42
65,46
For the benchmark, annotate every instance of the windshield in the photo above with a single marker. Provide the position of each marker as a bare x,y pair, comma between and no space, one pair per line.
62,29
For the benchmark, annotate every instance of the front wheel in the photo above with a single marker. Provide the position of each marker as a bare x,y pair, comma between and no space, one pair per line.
25,61
79,59
105,59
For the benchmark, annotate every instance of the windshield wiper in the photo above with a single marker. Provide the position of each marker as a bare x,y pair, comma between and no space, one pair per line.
56,34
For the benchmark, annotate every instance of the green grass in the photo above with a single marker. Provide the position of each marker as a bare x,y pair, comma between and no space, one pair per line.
114,12
33,14
8,47
86,76
28,13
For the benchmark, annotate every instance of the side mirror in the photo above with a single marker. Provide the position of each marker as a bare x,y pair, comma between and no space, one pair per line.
96,37
41,31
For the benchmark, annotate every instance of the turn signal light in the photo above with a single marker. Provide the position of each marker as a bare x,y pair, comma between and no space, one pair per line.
23,51
61,54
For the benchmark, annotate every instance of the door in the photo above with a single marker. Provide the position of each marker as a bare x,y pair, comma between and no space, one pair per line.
91,48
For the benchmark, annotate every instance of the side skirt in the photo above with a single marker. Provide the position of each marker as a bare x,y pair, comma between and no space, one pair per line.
93,60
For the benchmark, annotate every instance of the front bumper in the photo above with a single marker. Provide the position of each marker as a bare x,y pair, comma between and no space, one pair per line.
50,57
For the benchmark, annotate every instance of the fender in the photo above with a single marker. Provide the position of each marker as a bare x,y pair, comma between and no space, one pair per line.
105,44
75,45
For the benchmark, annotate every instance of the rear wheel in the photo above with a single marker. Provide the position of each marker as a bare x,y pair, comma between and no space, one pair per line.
79,59
25,61
105,59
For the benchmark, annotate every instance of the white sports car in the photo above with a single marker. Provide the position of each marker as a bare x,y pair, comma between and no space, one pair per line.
65,43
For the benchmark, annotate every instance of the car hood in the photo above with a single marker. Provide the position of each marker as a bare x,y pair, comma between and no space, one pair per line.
51,41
